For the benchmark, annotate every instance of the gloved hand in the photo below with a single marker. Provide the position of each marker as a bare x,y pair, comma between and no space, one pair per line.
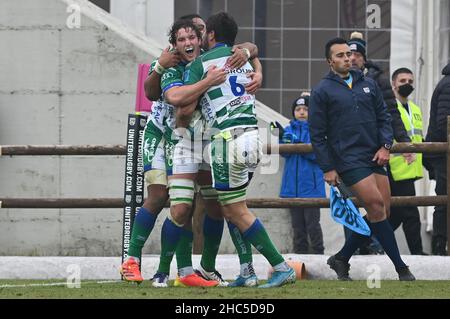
288,138
273,129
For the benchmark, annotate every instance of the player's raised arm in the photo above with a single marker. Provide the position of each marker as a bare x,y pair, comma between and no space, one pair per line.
152,85
241,54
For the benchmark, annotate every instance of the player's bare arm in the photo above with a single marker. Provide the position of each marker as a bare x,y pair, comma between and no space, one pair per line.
241,54
256,77
183,115
152,87
182,96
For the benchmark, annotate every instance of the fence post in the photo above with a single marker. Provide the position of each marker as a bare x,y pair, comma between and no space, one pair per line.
448,185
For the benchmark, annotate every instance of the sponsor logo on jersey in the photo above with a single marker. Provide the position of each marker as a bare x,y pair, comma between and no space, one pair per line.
239,71
235,102
240,100
166,76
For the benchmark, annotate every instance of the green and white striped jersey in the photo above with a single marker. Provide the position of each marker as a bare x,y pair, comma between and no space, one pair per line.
227,105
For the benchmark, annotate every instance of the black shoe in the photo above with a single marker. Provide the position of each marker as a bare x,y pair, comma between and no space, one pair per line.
405,275
340,267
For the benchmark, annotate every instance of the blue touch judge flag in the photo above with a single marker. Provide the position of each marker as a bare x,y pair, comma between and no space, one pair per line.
344,212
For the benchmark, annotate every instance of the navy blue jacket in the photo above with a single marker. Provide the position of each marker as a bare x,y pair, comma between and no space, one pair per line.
302,176
348,126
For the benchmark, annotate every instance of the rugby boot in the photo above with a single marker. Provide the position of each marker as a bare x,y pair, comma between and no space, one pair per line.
130,270
211,275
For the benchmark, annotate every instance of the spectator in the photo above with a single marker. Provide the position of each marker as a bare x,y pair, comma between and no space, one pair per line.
373,71
437,132
404,169
302,177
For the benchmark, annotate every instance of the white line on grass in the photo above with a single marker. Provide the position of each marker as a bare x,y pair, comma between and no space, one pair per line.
59,284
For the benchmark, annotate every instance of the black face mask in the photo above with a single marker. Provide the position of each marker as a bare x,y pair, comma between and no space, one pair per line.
405,90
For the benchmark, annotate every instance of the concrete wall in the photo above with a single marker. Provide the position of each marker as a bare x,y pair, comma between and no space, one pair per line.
76,86
151,17
64,86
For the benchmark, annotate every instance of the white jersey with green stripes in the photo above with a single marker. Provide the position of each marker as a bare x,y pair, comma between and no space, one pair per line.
227,105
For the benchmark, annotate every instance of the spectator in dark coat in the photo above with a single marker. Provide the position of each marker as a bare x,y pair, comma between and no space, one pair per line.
373,71
437,132
302,177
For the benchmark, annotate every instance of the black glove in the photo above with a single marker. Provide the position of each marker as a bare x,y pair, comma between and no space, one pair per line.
273,129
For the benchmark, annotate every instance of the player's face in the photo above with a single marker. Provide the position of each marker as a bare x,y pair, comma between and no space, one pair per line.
357,60
301,112
200,24
340,58
188,44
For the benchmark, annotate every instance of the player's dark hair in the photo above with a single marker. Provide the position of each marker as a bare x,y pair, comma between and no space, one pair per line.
330,44
182,24
399,71
190,16
224,27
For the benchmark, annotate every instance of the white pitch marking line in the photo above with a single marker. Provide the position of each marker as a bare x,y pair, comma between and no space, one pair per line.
59,284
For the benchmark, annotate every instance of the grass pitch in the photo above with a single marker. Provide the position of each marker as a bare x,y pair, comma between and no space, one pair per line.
317,289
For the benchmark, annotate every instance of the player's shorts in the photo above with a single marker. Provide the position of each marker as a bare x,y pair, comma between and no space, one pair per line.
153,148
234,157
188,157
188,148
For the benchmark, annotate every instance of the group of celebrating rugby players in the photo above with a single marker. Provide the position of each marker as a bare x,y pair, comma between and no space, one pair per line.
202,135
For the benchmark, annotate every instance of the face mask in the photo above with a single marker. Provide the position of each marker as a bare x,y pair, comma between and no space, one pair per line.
405,90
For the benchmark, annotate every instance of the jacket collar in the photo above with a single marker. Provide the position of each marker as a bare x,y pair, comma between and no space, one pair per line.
356,74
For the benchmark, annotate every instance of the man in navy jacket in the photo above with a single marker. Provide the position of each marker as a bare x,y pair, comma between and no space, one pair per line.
302,177
351,134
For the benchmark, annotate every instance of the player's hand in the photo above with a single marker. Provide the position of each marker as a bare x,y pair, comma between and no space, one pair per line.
238,59
169,58
256,82
409,157
381,156
331,177
216,75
